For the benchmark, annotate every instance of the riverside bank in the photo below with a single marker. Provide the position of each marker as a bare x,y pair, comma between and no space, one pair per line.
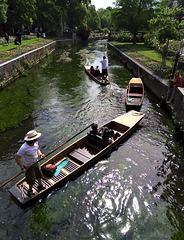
12,69
153,83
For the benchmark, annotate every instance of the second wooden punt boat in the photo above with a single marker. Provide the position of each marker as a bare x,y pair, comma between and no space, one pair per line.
134,94
99,79
78,157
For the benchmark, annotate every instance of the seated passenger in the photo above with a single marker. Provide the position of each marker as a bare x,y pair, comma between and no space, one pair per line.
97,68
94,130
91,69
106,135
113,135
97,71
16,42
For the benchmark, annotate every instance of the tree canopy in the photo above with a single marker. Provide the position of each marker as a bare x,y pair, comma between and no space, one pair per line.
20,13
132,15
3,11
93,18
105,17
165,26
47,14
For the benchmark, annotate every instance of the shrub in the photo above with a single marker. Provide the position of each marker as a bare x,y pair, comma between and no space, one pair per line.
105,30
123,36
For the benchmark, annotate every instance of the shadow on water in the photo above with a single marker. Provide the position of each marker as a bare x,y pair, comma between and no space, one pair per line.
135,192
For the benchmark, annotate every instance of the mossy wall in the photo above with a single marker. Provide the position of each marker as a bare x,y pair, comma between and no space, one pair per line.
13,68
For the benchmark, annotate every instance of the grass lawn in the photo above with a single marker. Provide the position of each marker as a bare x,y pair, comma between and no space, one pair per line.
5,47
143,50
11,51
148,57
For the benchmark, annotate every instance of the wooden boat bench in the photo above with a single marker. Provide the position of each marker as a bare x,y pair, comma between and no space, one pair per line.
97,141
79,155
85,153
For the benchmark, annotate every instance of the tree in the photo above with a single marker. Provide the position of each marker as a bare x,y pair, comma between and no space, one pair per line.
48,15
166,27
105,17
76,12
132,15
93,18
3,11
20,13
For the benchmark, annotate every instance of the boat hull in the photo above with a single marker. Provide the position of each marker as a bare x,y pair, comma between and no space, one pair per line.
134,94
96,79
82,154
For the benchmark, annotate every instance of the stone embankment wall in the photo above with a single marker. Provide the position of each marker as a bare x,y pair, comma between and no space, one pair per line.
155,84
12,69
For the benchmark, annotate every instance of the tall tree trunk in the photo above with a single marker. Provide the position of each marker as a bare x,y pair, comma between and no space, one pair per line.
165,53
134,39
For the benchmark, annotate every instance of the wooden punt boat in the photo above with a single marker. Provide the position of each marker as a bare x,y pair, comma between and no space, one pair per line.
99,79
80,156
134,94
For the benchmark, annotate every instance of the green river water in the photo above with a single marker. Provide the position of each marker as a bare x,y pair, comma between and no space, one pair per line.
135,192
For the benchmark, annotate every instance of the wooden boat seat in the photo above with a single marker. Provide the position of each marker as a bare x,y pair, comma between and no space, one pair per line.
79,155
97,141
135,95
88,150
134,89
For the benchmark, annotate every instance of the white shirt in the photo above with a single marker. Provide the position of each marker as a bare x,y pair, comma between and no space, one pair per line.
104,63
29,154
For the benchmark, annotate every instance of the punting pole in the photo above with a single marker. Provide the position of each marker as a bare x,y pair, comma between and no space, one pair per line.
45,155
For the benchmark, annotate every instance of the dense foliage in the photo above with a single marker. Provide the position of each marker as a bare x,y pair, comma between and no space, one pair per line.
46,14
132,15
165,27
52,16
3,11
105,17
93,18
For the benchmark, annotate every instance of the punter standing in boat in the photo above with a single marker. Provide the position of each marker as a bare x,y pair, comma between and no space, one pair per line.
29,153
104,66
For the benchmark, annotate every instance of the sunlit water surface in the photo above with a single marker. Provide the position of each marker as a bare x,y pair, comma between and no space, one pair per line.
135,192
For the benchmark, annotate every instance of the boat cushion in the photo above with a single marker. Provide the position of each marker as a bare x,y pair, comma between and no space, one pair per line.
60,166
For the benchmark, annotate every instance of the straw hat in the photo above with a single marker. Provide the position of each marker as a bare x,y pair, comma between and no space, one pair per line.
32,135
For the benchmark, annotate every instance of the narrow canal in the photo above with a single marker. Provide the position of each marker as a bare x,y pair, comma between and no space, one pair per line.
136,192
